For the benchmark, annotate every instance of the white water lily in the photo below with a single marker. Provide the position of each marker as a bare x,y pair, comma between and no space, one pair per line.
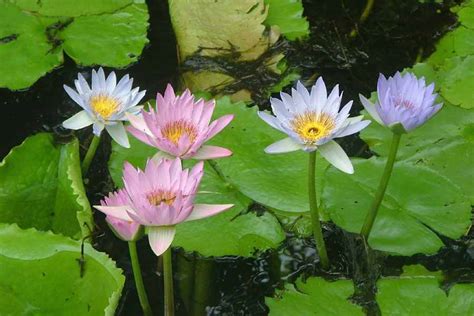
105,104
312,121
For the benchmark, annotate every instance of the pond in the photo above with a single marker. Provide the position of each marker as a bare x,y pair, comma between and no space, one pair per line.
260,257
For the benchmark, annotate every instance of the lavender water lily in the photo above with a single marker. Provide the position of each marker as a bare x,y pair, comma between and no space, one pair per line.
404,103
312,120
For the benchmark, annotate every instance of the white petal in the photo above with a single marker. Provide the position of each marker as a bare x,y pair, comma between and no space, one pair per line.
370,107
336,156
353,128
283,146
78,121
319,95
269,119
118,133
111,82
160,238
97,128
74,95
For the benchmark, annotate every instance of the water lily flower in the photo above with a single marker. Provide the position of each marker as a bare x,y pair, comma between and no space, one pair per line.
404,102
125,230
180,126
105,104
312,121
162,196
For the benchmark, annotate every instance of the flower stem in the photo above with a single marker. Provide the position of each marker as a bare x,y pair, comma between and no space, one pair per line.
90,154
137,275
313,207
370,218
365,14
168,276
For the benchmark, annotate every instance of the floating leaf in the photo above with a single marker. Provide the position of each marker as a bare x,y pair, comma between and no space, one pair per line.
40,275
418,205
241,233
232,234
25,51
110,33
315,297
114,39
420,294
288,16
70,8
42,187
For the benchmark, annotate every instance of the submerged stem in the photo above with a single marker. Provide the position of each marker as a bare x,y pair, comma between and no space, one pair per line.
372,214
168,282
137,275
90,154
365,14
313,207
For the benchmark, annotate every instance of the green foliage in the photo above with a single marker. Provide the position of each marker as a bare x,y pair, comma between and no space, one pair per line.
418,204
40,275
445,144
42,187
288,16
33,35
453,61
419,293
316,296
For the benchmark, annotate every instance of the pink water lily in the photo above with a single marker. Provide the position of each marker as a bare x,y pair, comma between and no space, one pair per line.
127,230
160,197
180,126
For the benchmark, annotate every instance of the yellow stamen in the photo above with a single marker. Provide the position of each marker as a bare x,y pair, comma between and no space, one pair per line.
311,126
104,105
174,130
159,196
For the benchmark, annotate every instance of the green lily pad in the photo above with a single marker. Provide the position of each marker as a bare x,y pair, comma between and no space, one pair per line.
42,187
277,181
242,233
444,144
235,232
288,16
70,8
25,51
100,39
420,294
456,86
91,32
316,296
418,204
40,275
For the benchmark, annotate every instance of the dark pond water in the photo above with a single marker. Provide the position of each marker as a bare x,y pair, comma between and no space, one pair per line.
395,36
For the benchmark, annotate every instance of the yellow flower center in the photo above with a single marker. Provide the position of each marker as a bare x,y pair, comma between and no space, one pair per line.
174,130
157,197
104,105
311,126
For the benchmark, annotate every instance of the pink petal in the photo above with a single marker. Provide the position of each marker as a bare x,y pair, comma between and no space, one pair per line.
160,238
123,229
119,212
206,210
218,125
211,152
140,135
